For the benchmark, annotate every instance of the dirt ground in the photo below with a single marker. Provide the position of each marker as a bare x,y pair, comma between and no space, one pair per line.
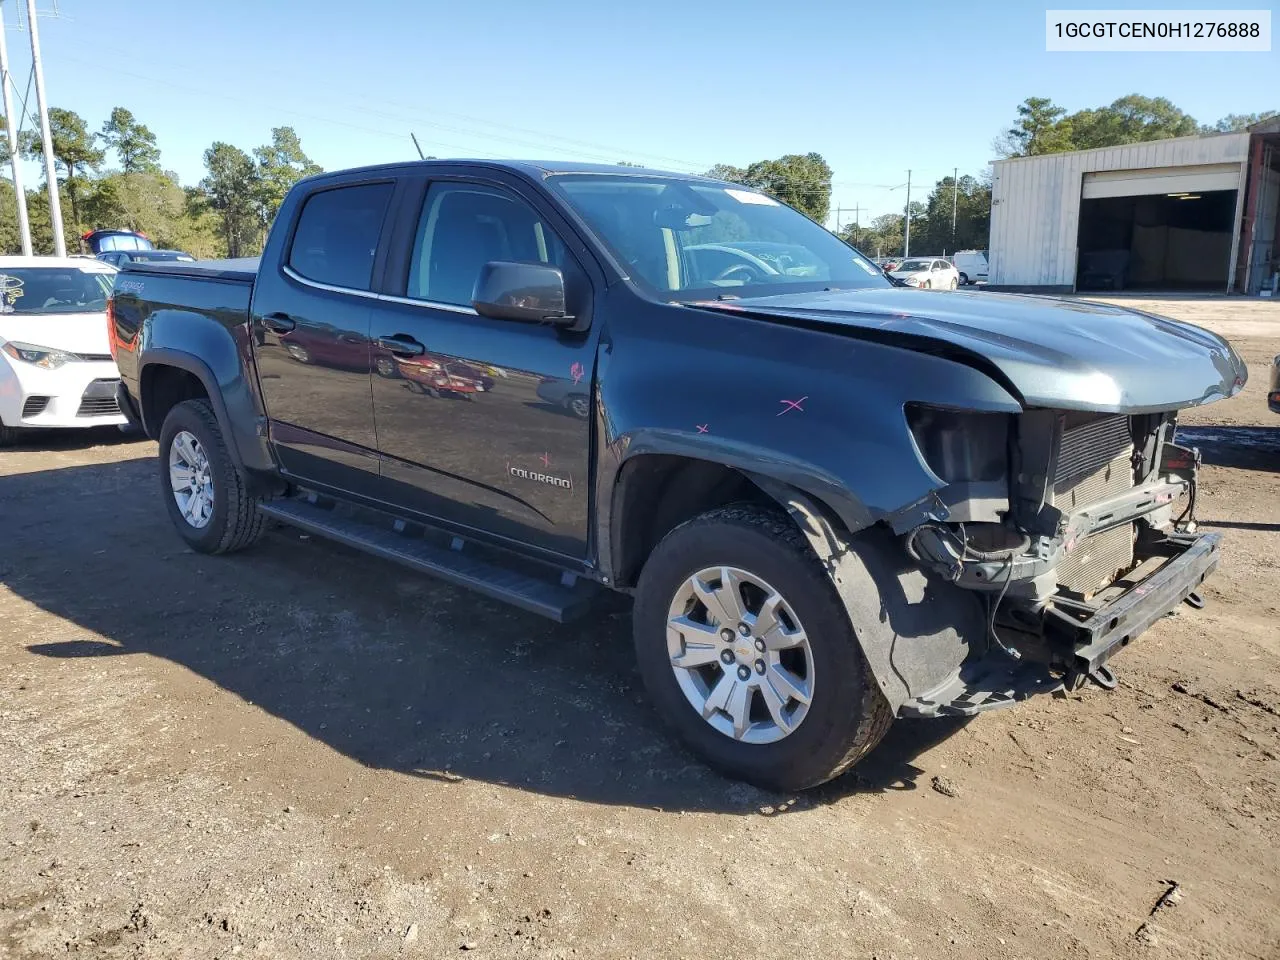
299,752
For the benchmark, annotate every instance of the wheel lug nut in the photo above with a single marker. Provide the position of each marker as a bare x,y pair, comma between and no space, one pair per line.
727,656
744,629
760,667
726,635
760,645
743,673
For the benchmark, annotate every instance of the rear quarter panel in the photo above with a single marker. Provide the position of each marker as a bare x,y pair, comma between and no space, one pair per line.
200,325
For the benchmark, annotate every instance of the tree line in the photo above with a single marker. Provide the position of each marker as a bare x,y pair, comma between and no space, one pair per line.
1042,126
226,214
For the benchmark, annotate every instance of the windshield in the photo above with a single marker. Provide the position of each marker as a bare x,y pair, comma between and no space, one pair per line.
700,239
40,290
908,265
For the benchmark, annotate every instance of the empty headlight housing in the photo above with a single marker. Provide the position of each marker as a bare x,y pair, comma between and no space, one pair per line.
961,446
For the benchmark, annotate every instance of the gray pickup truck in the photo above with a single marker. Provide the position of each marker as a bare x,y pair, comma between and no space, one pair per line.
835,500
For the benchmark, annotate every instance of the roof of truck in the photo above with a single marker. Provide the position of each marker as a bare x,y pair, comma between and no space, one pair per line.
530,168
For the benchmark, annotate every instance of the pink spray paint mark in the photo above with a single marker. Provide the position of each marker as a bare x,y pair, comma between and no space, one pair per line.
546,460
702,427
790,405
577,371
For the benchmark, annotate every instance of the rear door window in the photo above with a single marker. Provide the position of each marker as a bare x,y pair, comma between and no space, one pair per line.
337,235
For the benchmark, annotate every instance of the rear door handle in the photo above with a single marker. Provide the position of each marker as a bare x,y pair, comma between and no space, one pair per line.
402,345
279,322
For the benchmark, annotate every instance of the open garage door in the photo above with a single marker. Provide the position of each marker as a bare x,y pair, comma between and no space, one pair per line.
1157,229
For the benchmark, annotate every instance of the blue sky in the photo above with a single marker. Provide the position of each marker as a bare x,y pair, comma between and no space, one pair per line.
875,88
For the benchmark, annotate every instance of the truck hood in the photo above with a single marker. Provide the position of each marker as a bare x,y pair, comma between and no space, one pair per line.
1050,352
73,332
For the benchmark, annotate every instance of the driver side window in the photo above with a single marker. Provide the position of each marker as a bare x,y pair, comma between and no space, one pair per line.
463,226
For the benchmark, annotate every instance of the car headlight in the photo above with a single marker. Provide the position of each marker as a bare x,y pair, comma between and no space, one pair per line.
913,281
46,357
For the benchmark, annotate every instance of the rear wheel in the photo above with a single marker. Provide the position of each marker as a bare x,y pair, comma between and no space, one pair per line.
964,279
207,498
747,652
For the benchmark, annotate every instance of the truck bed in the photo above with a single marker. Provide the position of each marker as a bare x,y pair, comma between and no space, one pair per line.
244,269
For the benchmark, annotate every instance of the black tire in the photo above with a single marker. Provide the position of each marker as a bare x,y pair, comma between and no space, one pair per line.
964,279
8,435
235,522
386,368
847,716
579,405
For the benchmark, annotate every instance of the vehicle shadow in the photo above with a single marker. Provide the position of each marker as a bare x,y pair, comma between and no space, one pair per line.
35,439
396,671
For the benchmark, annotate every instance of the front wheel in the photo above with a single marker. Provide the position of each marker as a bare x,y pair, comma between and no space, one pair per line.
747,652
207,498
954,283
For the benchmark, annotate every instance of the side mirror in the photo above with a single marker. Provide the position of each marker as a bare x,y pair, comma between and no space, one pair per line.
511,290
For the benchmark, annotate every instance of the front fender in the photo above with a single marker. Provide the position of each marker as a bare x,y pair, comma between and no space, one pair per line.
815,410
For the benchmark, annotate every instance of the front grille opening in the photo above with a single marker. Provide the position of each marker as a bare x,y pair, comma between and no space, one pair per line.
34,406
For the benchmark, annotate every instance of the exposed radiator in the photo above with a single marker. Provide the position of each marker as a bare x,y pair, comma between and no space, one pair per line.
1095,462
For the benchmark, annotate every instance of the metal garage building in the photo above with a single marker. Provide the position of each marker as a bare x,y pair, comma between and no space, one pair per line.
1193,213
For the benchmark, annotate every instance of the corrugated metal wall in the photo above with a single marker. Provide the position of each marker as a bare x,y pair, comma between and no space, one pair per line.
1035,201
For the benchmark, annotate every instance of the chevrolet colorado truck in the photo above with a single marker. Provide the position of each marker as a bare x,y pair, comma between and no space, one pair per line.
835,501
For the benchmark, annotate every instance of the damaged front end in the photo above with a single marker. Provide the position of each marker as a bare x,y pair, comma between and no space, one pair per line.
1075,528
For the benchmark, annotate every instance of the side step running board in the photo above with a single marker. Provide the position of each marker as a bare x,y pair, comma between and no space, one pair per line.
543,596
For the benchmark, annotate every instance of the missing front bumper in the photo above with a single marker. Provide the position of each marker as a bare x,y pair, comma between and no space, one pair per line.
1114,625
993,680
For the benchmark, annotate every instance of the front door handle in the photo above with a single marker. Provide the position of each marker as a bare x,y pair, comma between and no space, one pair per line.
279,322
402,345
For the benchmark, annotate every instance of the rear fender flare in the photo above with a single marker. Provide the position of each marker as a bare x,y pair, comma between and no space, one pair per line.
166,357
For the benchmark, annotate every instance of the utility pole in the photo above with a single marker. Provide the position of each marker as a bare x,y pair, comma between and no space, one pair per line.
955,199
46,138
906,238
10,120
857,220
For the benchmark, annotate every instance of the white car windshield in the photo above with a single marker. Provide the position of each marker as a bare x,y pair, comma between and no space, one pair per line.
51,290
696,239
911,266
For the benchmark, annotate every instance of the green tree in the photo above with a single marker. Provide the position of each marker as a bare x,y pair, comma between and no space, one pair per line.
1038,129
281,164
1130,119
931,229
133,143
881,238
232,192
802,181
74,150
1237,122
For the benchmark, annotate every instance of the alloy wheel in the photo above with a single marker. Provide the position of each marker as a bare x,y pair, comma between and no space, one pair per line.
740,655
191,479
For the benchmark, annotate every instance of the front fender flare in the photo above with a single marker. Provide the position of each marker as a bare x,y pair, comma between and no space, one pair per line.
914,628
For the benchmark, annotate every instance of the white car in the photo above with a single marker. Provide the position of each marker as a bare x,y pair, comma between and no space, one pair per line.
927,273
972,265
56,368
